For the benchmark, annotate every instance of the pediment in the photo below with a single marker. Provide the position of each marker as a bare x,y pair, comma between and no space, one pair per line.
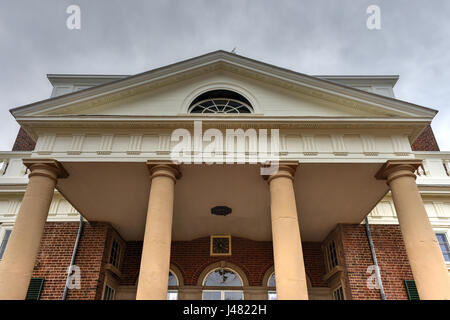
275,92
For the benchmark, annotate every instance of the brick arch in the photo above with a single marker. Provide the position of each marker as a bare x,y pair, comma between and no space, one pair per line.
178,273
253,257
271,270
193,256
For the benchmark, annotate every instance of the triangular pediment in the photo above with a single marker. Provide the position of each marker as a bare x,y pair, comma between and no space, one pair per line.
275,92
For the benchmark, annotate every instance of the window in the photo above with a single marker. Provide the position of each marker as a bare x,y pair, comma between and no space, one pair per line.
3,165
4,241
114,257
443,243
172,294
109,293
34,289
110,286
331,255
220,102
338,293
272,293
223,277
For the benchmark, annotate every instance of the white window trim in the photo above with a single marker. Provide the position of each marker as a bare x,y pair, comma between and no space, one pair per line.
269,292
113,292
336,289
172,291
445,231
177,285
3,229
3,166
111,283
273,292
222,293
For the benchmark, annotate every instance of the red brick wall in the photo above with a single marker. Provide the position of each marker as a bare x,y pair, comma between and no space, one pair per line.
23,142
192,257
391,255
131,263
426,141
314,263
56,251
253,257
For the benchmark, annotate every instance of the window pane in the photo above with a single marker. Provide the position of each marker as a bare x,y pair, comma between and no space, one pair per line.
338,294
4,242
444,245
220,106
115,254
212,295
272,295
332,257
223,278
109,293
233,295
172,279
172,295
272,282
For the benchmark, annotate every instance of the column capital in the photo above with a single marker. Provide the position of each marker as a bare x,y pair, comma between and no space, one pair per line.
164,168
394,169
285,169
45,167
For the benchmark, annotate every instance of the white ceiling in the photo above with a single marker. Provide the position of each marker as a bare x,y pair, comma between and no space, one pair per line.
326,194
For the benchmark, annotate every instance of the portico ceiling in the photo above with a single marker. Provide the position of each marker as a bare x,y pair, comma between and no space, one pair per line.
326,194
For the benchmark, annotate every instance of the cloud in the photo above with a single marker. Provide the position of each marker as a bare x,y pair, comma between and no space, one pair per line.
315,37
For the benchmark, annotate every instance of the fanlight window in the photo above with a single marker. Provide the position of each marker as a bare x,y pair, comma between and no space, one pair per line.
272,282
172,293
272,294
222,102
223,277
221,106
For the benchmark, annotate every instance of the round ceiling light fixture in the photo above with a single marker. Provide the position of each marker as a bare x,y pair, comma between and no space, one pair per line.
221,210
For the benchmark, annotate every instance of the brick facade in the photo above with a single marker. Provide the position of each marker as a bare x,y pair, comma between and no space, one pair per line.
391,255
192,257
253,257
56,251
23,142
426,141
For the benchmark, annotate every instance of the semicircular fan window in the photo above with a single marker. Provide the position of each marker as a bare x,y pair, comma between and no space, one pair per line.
221,105
223,278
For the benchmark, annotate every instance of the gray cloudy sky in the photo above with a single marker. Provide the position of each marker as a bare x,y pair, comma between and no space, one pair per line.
313,37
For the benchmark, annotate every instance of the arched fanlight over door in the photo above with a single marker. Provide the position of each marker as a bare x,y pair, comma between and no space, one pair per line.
223,284
271,284
172,293
220,102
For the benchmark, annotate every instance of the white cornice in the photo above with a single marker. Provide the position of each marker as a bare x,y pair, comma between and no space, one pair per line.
413,125
217,118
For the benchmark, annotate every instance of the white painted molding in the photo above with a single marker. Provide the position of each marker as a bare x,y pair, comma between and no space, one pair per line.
77,144
106,143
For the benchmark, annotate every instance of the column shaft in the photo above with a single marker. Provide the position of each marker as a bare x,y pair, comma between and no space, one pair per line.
17,265
289,266
155,261
424,255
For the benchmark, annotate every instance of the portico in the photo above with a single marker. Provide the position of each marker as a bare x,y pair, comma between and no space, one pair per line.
108,151
168,202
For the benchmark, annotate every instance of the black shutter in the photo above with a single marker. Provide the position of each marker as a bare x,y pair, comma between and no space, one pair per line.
411,290
35,288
